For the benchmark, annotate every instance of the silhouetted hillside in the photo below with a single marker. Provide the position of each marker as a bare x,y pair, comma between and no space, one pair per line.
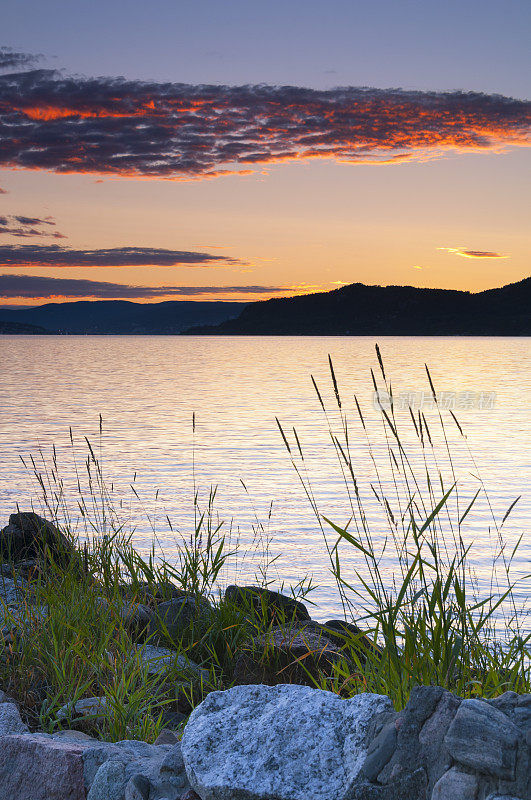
22,328
122,317
388,310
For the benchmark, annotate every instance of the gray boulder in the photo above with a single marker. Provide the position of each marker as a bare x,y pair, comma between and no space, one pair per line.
11,593
483,738
10,720
90,707
296,653
504,797
349,633
435,756
267,605
135,615
161,659
456,785
284,742
110,782
28,535
138,788
407,756
39,768
173,617
65,767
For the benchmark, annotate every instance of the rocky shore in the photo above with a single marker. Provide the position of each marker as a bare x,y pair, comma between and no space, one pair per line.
271,736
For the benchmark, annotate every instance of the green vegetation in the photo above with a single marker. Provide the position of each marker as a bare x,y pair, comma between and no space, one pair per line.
410,587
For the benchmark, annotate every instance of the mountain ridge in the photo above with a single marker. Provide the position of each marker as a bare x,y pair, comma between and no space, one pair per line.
108,317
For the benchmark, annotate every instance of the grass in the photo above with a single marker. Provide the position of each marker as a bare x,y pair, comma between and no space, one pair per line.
435,624
428,622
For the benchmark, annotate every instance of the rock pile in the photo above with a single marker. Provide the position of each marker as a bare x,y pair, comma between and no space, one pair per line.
269,737
72,766
288,742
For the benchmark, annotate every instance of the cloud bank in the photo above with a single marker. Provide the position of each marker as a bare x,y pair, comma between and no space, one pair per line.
34,286
111,126
54,255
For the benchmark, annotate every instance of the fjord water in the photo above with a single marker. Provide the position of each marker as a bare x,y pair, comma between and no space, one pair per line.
147,388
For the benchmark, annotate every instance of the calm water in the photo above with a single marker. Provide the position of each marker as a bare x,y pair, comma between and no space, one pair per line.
147,388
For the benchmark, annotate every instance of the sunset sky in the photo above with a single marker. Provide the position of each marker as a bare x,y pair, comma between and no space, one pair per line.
225,162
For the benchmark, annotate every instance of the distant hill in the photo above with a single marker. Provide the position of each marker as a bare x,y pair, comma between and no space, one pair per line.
360,310
18,327
121,316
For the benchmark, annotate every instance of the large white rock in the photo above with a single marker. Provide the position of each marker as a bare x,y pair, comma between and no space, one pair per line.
282,742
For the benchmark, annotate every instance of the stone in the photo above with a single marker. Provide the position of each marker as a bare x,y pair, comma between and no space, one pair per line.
267,605
521,716
505,702
455,785
380,751
29,568
287,655
173,719
166,736
483,738
138,788
278,742
75,736
190,795
407,787
504,797
173,760
28,535
16,619
38,768
10,720
407,757
110,782
96,755
349,633
86,707
160,659
11,593
435,756
102,604
135,615
173,617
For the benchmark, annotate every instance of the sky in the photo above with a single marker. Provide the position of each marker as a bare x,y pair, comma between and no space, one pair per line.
241,150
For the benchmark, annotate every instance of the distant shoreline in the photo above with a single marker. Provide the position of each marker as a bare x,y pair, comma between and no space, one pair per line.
353,310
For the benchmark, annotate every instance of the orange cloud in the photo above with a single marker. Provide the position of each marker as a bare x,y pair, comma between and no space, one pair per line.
183,132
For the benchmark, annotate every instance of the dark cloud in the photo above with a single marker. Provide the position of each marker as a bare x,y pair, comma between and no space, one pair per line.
54,255
34,220
480,254
460,251
23,227
11,59
119,127
28,286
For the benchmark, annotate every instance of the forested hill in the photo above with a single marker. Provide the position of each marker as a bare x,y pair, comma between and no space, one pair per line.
360,310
